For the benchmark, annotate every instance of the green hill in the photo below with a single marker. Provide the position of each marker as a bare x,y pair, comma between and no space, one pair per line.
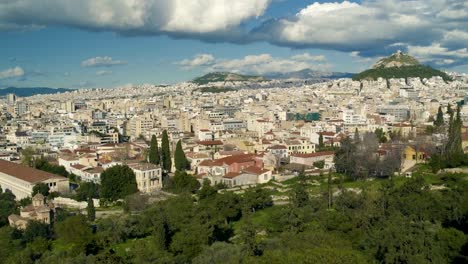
226,77
399,65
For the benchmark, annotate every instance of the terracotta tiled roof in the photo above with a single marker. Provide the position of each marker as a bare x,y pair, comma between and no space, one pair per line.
231,175
210,142
255,170
465,136
26,173
316,154
278,147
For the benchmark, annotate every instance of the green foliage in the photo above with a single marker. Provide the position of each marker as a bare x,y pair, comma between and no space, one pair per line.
216,89
420,71
321,144
87,190
453,155
220,252
381,137
207,190
75,233
36,229
180,160
27,156
440,118
388,221
7,206
117,182
154,156
44,165
90,210
183,182
41,188
257,198
166,153
319,164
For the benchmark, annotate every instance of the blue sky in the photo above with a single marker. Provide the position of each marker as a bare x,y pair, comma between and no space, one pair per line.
114,42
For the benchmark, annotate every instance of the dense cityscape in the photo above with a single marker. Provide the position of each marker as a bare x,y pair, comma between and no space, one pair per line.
237,164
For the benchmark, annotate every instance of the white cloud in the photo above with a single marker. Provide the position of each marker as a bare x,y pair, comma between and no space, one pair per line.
101,62
307,57
261,64
426,53
12,72
345,25
102,73
143,16
198,60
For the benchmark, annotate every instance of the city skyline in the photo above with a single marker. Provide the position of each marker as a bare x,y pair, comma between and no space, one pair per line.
113,43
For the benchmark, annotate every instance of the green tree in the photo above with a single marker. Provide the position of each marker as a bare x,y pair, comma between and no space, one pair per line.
7,206
41,188
154,156
118,182
256,198
248,234
453,149
75,233
299,195
87,190
180,160
183,182
166,152
321,144
380,134
206,190
91,211
34,230
319,164
27,156
440,118
357,137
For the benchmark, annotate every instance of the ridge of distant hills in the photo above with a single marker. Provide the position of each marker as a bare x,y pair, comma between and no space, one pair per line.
30,91
226,77
309,74
399,65
302,74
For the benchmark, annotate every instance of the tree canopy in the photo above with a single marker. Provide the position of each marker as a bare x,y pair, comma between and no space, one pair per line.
117,182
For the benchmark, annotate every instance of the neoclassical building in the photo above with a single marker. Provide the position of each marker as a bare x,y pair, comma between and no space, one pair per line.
21,179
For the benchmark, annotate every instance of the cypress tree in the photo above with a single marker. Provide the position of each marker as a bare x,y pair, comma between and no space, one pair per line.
180,159
357,137
154,156
457,138
91,210
440,118
166,152
321,144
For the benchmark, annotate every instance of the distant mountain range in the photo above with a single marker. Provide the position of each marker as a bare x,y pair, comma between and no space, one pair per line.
309,74
30,91
302,74
399,65
226,77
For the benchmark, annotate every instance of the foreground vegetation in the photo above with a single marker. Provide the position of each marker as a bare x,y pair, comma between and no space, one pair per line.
340,220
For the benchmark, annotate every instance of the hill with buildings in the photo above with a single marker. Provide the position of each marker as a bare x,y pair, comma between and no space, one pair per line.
226,77
30,91
399,65
309,74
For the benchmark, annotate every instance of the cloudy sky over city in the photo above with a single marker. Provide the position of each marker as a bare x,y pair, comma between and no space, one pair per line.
108,43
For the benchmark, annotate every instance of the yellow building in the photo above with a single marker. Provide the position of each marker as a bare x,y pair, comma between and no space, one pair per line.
411,154
465,142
